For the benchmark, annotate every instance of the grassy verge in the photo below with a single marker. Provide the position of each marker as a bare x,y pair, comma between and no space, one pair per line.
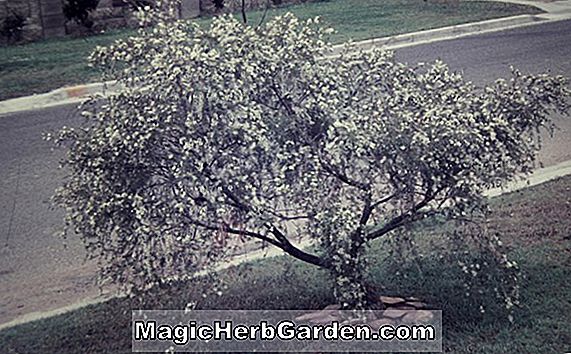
40,67
536,223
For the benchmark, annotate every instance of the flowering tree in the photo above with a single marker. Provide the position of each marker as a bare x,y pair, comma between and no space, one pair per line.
235,131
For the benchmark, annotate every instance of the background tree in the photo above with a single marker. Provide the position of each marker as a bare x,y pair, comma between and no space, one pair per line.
221,4
79,10
218,4
12,26
246,132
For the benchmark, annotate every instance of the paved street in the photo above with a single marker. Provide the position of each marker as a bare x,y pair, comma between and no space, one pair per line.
484,58
39,272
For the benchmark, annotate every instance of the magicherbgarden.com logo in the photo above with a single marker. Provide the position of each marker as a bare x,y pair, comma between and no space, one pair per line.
283,331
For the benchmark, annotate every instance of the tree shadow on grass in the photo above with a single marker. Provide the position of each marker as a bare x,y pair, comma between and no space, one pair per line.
540,325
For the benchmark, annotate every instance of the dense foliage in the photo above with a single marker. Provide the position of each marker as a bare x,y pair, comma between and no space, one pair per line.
235,132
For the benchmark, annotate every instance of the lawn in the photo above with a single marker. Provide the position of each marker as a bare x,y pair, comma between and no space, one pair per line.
535,224
43,66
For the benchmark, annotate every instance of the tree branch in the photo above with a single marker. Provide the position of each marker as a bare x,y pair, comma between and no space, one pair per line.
264,14
403,218
281,240
230,230
342,177
367,210
382,201
244,18
296,252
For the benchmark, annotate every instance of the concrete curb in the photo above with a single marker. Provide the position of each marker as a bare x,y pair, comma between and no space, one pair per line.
75,94
538,177
446,33
61,96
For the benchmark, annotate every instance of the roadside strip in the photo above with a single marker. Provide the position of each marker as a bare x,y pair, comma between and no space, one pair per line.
75,94
538,177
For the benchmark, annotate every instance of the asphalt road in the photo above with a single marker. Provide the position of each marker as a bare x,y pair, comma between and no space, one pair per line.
39,271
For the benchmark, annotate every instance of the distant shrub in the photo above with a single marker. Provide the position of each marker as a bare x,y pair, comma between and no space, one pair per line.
13,25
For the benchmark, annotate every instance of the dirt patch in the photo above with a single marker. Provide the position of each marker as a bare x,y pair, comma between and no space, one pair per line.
36,293
541,213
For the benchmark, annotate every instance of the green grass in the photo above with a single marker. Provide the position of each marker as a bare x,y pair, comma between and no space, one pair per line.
43,66
535,222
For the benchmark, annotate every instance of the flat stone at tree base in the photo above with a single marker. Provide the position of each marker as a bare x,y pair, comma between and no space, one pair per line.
354,321
324,319
416,304
396,307
309,316
329,313
392,313
419,316
402,307
389,300
382,322
332,307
